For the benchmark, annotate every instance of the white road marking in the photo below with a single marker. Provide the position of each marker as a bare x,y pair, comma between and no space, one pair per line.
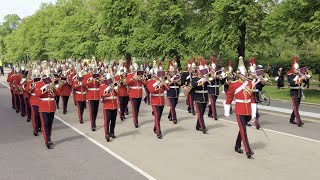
103,147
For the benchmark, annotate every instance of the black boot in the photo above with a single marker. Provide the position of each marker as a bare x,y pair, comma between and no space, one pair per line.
238,150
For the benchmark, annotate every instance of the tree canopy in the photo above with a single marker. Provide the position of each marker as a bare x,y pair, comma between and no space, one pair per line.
271,30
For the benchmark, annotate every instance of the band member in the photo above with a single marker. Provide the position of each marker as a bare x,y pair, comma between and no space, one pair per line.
230,77
56,82
200,84
295,78
157,86
256,82
186,80
9,80
47,105
241,90
65,89
147,77
135,84
34,100
173,91
123,91
16,78
24,83
213,88
108,93
92,81
79,94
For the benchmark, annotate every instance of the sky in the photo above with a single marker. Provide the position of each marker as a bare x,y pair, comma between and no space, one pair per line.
21,7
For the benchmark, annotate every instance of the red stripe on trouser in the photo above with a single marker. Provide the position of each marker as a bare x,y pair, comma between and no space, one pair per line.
156,118
295,110
212,106
190,103
198,111
133,112
171,109
90,113
242,133
43,128
20,103
32,118
79,114
106,124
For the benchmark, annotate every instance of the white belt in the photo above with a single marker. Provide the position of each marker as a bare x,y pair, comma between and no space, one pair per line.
78,92
110,97
255,90
213,85
157,94
296,87
33,94
47,99
174,87
135,87
243,101
93,89
201,91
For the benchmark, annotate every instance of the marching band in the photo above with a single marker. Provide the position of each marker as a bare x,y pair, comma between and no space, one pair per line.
36,90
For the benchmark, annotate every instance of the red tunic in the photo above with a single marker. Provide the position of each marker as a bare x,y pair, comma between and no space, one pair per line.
79,91
9,79
135,86
47,102
25,92
16,79
122,91
65,89
157,95
34,100
109,99
93,87
243,98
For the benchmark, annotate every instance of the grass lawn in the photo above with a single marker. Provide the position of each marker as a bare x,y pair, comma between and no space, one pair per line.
311,95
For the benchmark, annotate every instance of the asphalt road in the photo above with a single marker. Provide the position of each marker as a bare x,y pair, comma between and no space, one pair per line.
291,153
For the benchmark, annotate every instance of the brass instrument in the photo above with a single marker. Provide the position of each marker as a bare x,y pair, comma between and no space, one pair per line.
189,87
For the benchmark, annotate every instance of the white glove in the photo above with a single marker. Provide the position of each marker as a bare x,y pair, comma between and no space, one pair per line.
253,110
172,79
226,109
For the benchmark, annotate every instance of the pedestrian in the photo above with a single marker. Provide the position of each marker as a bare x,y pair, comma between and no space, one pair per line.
280,78
1,68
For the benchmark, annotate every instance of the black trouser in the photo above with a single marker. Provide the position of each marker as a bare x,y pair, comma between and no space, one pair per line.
57,98
46,121
65,100
93,106
201,108
147,97
191,102
13,100
123,105
1,71
22,105
173,103
135,103
81,105
213,106
17,103
28,108
36,123
242,135
110,116
295,113
127,102
157,117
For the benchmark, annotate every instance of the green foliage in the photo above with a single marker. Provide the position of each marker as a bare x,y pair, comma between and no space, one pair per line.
272,31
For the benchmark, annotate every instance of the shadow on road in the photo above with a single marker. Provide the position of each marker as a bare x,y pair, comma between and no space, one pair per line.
72,138
134,132
171,130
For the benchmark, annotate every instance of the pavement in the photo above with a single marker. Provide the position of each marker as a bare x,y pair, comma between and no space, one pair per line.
291,153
